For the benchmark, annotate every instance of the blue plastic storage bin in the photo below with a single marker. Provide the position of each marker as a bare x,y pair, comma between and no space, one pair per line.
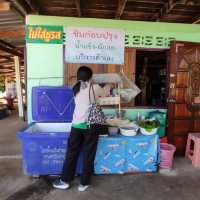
52,104
43,148
44,142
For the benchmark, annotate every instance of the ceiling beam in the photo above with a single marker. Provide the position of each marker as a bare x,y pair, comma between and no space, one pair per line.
189,2
4,6
145,1
120,9
5,57
4,46
196,21
7,44
7,73
8,65
78,7
5,68
6,62
170,5
166,9
20,9
17,33
11,22
33,5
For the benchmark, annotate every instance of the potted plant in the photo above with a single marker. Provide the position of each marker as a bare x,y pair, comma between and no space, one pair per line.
149,126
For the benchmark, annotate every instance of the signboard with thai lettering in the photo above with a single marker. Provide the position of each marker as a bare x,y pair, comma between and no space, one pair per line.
44,34
94,45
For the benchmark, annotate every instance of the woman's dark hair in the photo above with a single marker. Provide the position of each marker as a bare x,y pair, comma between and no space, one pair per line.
84,73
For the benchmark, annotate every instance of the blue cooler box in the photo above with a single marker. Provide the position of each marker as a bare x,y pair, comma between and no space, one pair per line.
44,142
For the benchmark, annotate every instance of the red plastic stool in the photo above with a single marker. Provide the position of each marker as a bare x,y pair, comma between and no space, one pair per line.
193,148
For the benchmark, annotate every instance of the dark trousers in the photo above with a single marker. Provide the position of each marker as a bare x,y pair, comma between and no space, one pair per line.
85,140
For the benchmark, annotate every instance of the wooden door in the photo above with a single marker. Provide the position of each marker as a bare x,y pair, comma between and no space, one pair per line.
184,93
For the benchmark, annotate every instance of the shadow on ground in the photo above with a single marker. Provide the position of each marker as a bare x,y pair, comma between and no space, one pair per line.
37,190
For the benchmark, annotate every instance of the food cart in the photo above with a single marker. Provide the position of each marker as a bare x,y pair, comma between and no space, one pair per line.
44,142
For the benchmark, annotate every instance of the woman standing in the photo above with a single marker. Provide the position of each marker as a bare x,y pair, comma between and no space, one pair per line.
81,136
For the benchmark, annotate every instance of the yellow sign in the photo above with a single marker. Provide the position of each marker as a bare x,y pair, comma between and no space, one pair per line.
44,34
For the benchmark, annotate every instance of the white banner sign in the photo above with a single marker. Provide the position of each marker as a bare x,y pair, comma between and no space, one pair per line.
94,45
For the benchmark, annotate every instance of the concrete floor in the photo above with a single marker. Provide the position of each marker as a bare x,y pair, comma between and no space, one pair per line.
182,183
11,176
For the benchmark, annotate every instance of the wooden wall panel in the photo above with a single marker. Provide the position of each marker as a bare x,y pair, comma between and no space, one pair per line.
112,68
180,95
71,69
129,67
180,143
197,114
197,125
182,126
129,63
182,111
182,79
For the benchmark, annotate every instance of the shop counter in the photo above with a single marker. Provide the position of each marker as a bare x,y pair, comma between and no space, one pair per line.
43,148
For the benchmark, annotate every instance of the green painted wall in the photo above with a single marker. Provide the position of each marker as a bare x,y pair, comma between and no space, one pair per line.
44,67
45,61
128,26
138,33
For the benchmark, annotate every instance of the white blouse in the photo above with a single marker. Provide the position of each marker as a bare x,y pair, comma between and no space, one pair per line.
82,102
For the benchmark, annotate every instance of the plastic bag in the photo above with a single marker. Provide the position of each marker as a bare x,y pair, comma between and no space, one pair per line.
130,89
